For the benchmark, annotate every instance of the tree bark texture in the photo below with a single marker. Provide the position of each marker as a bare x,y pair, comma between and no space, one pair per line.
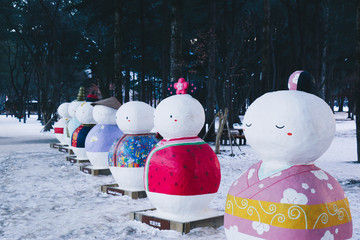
266,54
210,100
117,52
357,81
176,48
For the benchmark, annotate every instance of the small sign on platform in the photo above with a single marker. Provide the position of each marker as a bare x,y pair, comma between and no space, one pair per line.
73,159
66,149
88,169
57,145
151,217
113,189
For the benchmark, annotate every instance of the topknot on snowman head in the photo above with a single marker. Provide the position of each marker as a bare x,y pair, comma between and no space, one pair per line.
63,110
302,81
135,118
289,127
179,116
84,113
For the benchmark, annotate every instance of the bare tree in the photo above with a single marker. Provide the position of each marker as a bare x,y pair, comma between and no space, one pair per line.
357,81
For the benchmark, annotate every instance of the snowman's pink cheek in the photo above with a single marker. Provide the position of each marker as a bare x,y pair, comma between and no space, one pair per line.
289,134
175,120
128,120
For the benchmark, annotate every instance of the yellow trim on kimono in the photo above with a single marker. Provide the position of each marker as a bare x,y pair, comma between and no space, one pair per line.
293,216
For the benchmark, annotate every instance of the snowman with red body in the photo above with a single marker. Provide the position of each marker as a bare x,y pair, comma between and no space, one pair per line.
60,126
84,113
182,173
127,155
100,138
285,196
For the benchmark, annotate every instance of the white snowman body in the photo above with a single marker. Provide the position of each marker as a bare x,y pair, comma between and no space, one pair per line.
100,138
73,123
132,118
61,124
179,119
84,115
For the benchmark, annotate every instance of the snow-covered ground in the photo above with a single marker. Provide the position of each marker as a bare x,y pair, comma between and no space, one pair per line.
44,197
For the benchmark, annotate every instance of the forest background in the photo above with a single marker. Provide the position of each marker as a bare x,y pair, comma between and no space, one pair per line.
233,51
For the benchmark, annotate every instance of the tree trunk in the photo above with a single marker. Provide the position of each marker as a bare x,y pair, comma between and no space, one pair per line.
165,50
357,81
142,49
210,100
176,38
117,52
266,53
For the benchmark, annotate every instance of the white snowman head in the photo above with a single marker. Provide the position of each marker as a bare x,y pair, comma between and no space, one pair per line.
179,116
73,106
135,117
84,113
104,115
289,127
63,110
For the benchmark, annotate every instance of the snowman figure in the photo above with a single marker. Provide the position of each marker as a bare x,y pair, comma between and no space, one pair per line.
84,113
100,138
127,155
74,122
285,196
182,173
60,126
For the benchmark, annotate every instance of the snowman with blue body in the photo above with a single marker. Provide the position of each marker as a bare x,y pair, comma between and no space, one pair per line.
285,196
74,123
100,138
127,156
84,113
61,125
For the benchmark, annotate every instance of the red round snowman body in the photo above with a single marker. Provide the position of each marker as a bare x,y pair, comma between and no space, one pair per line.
182,173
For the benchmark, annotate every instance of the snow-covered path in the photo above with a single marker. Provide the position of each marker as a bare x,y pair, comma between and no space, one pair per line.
44,197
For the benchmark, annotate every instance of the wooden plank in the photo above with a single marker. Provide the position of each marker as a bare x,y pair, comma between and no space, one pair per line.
113,189
149,217
66,149
88,169
73,159
57,145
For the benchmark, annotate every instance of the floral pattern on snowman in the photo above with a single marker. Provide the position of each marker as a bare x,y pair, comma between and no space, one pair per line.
131,150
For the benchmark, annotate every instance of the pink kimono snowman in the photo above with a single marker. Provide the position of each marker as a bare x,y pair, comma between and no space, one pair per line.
100,138
285,196
60,125
128,154
85,117
182,173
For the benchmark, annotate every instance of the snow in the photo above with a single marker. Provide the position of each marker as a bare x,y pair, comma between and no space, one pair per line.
45,197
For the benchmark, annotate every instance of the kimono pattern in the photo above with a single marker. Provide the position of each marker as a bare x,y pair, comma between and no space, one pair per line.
131,150
300,202
185,166
79,135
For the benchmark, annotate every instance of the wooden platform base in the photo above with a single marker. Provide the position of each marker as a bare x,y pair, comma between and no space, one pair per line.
66,149
113,189
211,218
57,145
88,169
73,159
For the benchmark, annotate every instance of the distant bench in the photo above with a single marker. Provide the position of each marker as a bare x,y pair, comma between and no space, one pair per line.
237,136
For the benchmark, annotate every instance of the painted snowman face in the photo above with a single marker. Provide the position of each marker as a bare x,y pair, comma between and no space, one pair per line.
73,106
179,116
135,117
84,113
104,115
63,110
289,127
